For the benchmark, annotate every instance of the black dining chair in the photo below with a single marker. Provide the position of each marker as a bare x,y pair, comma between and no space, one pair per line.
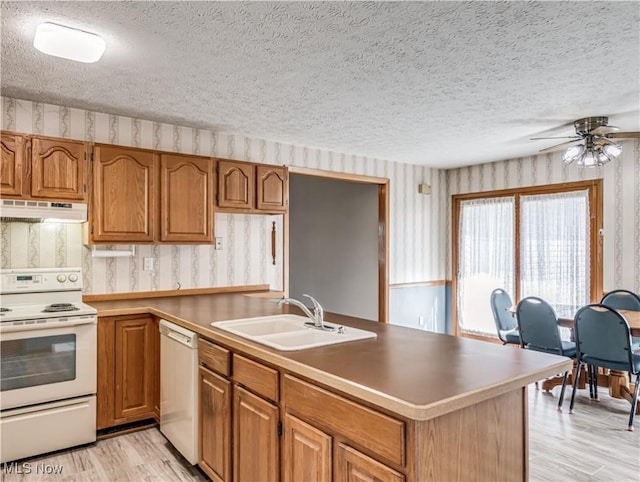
503,318
539,331
623,300
603,339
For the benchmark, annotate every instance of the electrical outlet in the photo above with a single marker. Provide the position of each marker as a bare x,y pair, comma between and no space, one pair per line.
420,320
219,242
147,264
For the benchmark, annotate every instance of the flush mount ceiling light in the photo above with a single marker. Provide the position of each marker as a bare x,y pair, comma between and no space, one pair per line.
592,145
68,43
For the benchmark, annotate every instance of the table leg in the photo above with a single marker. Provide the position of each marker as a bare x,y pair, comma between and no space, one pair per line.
619,387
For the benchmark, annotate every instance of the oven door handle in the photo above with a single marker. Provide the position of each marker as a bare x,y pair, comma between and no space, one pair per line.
48,325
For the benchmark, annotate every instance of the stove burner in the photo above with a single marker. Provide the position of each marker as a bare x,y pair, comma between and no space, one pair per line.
3,309
54,307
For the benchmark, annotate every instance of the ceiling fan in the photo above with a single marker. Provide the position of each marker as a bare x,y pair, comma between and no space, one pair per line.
592,145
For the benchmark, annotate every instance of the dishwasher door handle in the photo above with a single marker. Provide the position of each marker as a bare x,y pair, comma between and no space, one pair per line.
179,337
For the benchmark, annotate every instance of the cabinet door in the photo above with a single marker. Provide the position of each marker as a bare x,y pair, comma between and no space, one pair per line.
123,194
306,452
353,466
255,438
185,195
58,169
235,185
13,165
272,192
135,387
215,425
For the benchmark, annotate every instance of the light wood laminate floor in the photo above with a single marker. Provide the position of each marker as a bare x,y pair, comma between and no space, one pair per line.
591,445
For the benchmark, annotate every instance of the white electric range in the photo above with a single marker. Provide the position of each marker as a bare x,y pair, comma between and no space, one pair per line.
48,349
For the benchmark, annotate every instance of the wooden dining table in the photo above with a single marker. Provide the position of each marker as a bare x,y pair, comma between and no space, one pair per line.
617,381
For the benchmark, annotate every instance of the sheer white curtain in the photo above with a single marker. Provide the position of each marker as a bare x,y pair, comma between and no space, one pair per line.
486,248
555,249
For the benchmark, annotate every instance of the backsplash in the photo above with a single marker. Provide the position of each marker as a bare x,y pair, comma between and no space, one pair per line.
417,241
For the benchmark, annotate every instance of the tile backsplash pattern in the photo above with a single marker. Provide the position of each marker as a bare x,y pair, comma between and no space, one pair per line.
417,240
621,204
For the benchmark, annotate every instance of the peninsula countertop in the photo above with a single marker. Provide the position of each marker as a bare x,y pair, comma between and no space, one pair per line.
415,374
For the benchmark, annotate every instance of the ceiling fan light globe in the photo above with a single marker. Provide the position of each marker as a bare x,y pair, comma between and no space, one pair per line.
612,150
589,158
573,153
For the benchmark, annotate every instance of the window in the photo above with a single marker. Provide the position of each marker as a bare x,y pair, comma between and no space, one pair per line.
536,241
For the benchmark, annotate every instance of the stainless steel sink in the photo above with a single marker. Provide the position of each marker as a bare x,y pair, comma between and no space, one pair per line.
289,332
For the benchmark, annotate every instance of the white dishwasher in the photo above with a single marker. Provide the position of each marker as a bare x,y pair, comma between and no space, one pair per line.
179,388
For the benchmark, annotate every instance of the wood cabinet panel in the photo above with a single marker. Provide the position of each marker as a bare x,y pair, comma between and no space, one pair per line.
105,396
215,425
186,187
58,169
341,416
123,194
353,466
134,368
214,357
236,181
454,452
13,166
306,452
256,377
255,438
271,190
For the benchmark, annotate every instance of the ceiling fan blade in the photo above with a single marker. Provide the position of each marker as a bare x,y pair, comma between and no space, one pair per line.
599,131
561,137
560,146
624,135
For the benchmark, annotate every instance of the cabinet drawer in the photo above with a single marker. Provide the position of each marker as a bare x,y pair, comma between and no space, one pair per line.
256,377
215,357
338,415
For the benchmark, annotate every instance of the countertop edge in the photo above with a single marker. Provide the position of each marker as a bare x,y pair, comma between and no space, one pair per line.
382,400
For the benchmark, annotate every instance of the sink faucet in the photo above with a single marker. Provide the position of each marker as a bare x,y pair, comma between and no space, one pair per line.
318,313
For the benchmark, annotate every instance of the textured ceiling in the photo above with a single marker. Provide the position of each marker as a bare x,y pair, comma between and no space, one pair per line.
438,83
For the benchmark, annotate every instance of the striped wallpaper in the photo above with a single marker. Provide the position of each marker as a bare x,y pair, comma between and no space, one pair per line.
621,180
417,240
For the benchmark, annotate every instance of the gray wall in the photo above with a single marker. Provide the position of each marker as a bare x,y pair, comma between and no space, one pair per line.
333,244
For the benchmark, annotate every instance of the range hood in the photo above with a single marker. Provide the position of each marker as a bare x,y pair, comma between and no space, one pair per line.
42,211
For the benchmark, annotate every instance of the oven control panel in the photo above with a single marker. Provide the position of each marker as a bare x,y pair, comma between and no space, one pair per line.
36,280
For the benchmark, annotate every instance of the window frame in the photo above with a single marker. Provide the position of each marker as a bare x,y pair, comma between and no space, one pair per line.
595,195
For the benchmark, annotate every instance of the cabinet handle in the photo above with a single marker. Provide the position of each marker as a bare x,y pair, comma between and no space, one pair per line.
273,243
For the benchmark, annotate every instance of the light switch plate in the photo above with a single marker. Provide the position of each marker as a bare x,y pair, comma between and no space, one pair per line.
218,240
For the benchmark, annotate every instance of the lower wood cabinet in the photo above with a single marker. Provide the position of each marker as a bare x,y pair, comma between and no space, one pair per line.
215,425
128,377
320,437
255,438
353,466
306,451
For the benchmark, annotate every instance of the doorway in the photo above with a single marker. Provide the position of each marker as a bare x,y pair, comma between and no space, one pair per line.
337,241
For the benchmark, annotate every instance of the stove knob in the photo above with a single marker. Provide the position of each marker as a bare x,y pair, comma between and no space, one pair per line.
62,278
73,278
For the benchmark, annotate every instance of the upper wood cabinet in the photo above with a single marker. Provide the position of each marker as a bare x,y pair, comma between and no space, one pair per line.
124,199
252,188
271,188
236,182
186,198
58,169
35,167
13,165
